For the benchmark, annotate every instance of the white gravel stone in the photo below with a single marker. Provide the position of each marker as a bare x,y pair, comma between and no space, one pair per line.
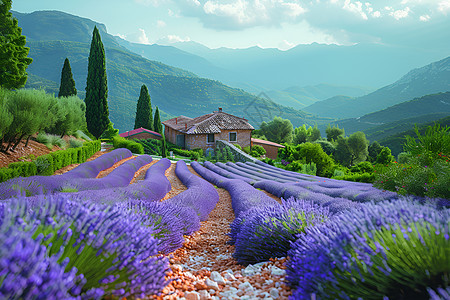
277,271
246,286
192,296
204,295
229,276
179,268
210,284
230,271
274,293
217,277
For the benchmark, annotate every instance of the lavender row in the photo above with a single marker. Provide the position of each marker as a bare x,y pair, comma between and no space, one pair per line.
263,228
153,188
280,175
48,184
119,177
226,173
201,196
388,250
91,169
79,249
238,172
243,195
257,174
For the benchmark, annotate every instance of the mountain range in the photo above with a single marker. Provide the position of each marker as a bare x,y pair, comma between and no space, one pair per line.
399,117
52,36
430,79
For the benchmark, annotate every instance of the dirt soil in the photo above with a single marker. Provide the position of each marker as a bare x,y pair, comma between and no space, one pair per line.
34,148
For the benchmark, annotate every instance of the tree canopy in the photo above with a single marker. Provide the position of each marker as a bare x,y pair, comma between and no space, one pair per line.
144,113
157,126
13,53
67,87
278,130
97,114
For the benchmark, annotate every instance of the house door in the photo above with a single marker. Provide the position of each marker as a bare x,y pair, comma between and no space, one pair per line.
181,140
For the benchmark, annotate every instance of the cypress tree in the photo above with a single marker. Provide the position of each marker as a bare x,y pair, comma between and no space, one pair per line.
163,147
67,87
157,126
97,114
144,113
13,53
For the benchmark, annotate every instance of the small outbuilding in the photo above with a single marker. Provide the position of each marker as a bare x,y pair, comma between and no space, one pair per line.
270,147
141,134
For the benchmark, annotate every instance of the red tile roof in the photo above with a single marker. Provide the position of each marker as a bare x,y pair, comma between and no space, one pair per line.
258,141
139,130
209,123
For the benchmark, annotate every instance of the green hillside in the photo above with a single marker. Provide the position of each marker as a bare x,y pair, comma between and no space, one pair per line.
395,142
173,90
394,119
430,79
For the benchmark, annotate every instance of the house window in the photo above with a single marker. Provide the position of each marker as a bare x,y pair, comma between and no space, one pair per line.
232,137
210,138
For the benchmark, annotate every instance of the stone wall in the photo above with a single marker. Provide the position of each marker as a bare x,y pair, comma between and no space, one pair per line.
238,154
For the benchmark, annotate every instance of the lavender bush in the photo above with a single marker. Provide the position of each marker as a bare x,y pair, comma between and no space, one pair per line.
27,272
112,249
266,232
396,249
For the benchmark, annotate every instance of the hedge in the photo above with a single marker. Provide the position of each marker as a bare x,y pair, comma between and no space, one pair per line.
49,163
120,142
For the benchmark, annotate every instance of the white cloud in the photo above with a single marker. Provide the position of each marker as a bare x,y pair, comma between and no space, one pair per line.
143,38
400,14
356,8
160,24
425,18
376,14
237,14
175,39
444,6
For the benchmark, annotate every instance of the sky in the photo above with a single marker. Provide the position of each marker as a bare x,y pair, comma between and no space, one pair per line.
280,24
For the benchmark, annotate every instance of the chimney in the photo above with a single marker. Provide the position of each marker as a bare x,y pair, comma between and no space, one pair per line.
176,120
185,126
220,109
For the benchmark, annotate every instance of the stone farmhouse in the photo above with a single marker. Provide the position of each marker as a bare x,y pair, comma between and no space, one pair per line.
203,132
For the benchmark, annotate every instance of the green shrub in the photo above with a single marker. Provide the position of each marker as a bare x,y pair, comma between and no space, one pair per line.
81,135
258,149
7,174
24,168
246,149
357,177
135,147
362,167
74,143
44,165
238,146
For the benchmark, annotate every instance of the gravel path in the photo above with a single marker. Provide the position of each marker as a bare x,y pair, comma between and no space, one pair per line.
204,267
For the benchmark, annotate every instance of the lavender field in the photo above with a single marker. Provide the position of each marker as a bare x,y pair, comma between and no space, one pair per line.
73,235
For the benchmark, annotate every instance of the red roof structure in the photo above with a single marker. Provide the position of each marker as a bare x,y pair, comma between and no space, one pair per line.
139,131
264,142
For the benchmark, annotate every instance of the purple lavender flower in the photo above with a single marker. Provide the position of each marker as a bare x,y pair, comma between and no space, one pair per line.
366,251
110,247
266,232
